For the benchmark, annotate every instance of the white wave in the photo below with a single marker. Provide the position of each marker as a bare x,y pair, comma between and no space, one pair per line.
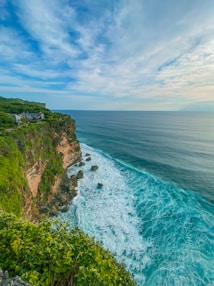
108,213
154,228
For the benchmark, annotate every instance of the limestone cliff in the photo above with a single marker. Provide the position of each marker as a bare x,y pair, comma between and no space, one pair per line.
34,176
61,190
68,148
33,170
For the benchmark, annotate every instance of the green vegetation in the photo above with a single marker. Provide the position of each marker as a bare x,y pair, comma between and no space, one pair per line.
10,106
50,254
6,120
23,146
15,105
11,176
20,148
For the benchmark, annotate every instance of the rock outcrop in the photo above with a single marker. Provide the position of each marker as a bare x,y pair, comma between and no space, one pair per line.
34,176
58,196
99,185
61,200
35,155
94,168
69,149
15,281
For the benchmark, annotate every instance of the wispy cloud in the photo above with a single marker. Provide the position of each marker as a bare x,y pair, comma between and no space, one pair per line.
109,54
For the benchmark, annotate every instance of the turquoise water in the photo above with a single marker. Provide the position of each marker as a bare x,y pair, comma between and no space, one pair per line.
163,232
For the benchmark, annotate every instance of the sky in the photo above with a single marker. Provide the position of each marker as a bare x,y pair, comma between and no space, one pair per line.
108,54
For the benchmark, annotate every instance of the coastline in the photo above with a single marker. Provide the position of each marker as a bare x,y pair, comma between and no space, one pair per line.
153,219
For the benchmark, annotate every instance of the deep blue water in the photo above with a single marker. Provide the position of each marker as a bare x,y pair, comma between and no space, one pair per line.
155,210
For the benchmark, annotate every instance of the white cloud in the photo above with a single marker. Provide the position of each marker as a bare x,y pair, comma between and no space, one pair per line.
133,52
47,23
35,70
13,47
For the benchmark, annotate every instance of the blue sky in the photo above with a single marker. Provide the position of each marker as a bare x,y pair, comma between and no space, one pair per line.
108,54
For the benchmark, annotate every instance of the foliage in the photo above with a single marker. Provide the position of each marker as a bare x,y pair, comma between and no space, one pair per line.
51,254
23,146
11,176
15,105
53,168
10,106
45,254
6,120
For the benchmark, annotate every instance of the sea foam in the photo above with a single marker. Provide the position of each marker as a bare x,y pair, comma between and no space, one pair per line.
162,234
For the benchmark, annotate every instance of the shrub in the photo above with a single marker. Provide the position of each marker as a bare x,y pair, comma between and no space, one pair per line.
12,178
51,254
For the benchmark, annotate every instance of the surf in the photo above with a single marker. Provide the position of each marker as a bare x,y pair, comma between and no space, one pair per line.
163,234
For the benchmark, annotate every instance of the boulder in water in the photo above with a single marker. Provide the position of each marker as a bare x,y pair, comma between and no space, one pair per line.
94,168
80,174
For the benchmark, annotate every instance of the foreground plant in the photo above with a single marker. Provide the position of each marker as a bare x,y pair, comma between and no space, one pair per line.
51,254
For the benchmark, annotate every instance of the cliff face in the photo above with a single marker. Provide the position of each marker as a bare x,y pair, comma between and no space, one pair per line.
68,149
70,153
43,151
34,176
34,157
47,198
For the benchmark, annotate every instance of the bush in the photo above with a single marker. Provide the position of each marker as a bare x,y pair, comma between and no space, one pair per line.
21,148
12,178
51,254
6,120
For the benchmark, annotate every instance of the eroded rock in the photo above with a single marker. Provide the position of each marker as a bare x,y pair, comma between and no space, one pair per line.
15,281
94,168
80,174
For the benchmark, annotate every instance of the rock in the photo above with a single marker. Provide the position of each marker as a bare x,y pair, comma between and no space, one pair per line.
15,281
80,175
55,202
63,199
64,208
88,159
54,211
87,154
81,164
99,185
94,168
44,210
73,193
73,177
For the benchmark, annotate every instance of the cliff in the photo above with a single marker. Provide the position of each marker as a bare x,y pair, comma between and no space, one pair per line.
34,157
46,175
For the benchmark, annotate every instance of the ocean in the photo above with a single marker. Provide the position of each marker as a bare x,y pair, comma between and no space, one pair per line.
155,210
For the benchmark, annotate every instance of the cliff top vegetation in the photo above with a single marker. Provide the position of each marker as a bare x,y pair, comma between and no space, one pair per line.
21,146
46,253
52,255
10,106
